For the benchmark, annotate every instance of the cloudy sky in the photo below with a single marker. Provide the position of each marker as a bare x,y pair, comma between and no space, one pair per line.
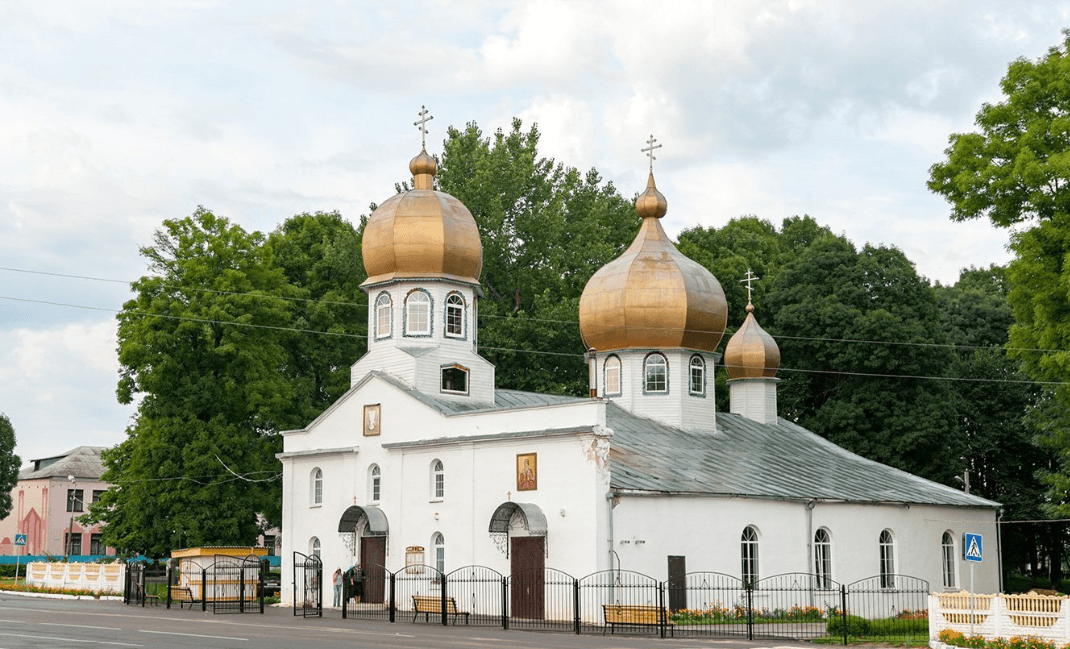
116,115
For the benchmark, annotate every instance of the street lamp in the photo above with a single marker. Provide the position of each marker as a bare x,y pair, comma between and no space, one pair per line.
70,503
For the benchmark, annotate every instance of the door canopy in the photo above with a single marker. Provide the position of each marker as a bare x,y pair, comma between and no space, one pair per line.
534,519
377,523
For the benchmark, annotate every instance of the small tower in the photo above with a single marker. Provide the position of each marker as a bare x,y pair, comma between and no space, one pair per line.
752,359
652,319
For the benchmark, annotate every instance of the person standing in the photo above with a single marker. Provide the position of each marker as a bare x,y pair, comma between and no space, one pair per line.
337,587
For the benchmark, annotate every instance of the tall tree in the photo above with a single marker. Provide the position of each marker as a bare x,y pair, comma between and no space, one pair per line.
546,228
9,464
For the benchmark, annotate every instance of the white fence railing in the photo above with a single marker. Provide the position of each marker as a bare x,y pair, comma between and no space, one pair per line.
1001,616
97,577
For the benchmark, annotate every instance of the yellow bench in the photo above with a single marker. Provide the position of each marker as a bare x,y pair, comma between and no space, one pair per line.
182,596
428,604
635,615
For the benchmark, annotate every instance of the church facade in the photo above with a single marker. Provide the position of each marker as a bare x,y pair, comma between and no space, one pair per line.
425,452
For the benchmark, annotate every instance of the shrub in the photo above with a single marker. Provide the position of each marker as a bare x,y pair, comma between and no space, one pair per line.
856,626
899,626
951,637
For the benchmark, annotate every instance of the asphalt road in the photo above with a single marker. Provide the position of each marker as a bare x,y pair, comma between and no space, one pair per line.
40,623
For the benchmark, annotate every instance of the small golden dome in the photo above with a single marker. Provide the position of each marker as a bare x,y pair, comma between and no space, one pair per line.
422,233
652,296
751,353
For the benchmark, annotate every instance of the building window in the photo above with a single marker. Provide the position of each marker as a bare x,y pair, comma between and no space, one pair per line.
73,543
97,493
317,487
655,374
887,546
612,386
314,547
439,544
376,481
947,548
383,316
455,379
455,315
823,558
438,480
698,376
96,545
269,544
418,314
74,500
749,551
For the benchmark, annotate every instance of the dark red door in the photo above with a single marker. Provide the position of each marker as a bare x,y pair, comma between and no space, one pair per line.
528,577
373,562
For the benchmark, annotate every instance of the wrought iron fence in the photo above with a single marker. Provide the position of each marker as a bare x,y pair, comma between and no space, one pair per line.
793,605
893,606
708,604
234,584
478,595
308,585
145,583
620,600
417,592
367,593
543,600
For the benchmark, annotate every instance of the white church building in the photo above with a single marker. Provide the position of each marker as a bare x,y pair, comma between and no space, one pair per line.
424,451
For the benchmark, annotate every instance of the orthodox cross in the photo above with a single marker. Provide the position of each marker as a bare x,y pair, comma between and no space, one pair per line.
749,281
424,119
649,151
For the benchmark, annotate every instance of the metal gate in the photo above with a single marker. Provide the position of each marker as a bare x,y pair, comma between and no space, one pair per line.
308,585
145,582
793,605
235,585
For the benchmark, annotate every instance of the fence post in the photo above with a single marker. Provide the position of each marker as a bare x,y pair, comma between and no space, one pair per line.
345,595
393,602
169,573
576,604
661,609
843,611
241,590
442,597
204,589
505,605
750,610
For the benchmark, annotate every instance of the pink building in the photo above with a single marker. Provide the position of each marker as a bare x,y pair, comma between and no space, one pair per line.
47,501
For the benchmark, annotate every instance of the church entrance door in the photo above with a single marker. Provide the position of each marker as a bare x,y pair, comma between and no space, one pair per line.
373,561
528,566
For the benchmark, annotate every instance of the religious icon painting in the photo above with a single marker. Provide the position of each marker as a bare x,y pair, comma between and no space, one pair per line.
527,472
372,422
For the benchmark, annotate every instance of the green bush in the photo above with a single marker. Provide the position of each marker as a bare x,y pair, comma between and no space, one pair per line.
899,626
856,626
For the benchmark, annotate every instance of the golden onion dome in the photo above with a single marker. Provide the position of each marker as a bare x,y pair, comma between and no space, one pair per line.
751,353
422,233
652,296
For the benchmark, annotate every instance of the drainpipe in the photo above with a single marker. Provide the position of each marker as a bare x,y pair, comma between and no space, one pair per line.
999,546
592,377
810,544
609,519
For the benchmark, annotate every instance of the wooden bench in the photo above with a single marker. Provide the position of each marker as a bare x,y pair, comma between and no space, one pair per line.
139,595
635,615
428,604
182,596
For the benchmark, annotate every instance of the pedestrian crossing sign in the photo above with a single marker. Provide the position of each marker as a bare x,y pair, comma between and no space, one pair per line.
20,539
972,547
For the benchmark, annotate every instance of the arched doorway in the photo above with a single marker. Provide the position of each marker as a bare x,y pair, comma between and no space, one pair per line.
519,530
369,525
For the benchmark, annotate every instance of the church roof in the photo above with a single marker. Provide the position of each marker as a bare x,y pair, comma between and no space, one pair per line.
82,462
748,458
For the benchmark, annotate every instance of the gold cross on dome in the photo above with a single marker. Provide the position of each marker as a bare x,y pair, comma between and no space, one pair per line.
749,281
649,151
424,119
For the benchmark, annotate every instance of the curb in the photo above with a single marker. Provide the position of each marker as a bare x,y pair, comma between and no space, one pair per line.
102,598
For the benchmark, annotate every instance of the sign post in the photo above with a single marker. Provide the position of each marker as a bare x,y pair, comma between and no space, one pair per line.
20,541
972,552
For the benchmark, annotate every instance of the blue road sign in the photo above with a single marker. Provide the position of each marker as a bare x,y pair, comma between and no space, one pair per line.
972,547
20,539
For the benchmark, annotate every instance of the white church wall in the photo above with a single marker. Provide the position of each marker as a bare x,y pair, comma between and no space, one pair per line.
698,411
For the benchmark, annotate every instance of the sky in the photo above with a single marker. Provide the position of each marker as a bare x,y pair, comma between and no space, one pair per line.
117,115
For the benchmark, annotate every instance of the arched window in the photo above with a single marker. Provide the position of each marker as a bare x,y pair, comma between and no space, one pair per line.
314,547
749,551
887,547
947,550
612,386
823,558
375,477
317,487
698,376
439,545
438,480
455,315
655,374
418,314
383,316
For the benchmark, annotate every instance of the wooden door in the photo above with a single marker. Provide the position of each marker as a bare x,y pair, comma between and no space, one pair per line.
528,568
373,562
677,583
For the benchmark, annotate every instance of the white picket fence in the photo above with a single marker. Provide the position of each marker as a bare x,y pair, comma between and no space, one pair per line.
97,577
1001,616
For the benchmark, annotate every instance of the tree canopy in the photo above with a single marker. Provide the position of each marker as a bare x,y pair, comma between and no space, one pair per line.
9,464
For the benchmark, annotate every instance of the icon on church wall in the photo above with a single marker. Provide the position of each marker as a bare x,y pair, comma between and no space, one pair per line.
526,472
372,423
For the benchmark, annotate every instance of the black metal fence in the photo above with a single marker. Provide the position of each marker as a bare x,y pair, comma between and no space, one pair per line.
145,583
308,585
235,585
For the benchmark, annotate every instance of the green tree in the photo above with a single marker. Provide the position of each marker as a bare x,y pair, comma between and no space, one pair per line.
546,228
9,464
201,344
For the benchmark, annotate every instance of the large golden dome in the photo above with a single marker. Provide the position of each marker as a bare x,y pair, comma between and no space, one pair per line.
422,233
751,353
652,296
